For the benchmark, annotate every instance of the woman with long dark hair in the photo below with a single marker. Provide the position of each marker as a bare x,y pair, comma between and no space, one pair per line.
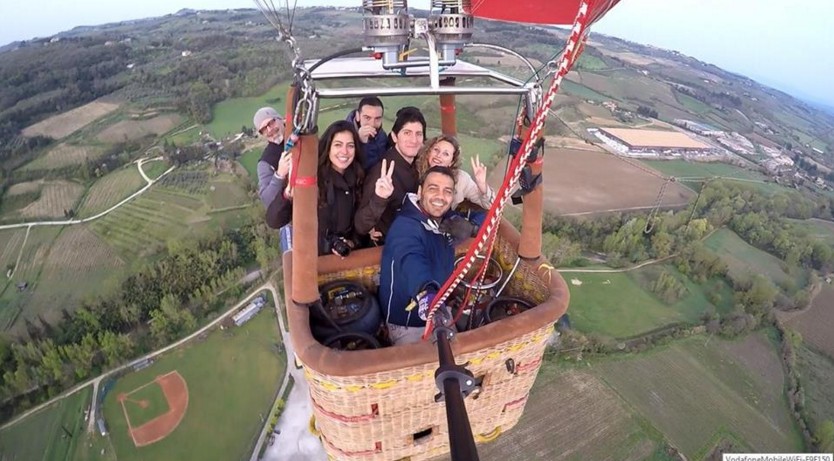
340,177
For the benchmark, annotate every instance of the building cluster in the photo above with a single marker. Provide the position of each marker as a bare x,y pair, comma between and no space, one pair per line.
651,143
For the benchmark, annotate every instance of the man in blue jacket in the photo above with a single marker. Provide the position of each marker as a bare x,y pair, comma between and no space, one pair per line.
368,120
419,254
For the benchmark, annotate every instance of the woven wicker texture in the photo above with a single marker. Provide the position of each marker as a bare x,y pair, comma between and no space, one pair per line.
376,416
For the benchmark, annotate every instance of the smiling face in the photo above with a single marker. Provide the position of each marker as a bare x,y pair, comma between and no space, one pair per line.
342,151
409,140
436,194
273,130
442,153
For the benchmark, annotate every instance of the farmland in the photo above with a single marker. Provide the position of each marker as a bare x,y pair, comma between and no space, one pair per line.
816,323
63,155
582,181
110,190
79,266
42,437
745,260
128,130
154,169
62,125
232,377
698,391
618,305
573,415
180,206
56,197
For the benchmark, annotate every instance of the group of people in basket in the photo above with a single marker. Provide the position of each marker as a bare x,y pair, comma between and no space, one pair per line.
399,190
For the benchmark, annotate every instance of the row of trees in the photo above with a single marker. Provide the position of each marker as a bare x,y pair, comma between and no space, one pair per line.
161,302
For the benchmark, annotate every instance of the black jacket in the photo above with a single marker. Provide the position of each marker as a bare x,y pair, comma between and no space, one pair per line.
335,211
379,213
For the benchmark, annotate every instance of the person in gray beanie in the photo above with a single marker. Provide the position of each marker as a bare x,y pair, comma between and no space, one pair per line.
274,165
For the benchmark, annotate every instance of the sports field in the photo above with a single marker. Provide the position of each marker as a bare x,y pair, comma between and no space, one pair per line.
701,389
231,378
52,434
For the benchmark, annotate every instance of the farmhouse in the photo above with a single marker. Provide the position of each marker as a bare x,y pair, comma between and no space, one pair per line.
651,143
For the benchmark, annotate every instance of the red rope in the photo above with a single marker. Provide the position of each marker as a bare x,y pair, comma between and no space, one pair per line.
486,235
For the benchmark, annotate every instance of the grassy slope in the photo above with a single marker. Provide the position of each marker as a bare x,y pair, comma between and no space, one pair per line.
744,259
232,377
617,305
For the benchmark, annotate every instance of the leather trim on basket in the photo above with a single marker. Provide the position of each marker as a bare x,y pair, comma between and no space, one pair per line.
354,363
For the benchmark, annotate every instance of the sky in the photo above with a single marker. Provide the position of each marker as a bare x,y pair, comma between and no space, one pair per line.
780,43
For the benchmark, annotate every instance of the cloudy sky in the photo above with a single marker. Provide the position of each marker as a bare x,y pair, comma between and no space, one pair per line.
779,43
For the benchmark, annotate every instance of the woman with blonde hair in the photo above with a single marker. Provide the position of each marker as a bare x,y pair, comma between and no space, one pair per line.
444,151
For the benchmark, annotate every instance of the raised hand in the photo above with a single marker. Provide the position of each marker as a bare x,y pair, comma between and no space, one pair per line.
385,184
479,172
366,132
284,164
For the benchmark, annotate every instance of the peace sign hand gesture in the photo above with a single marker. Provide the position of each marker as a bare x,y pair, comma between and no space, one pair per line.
479,171
385,184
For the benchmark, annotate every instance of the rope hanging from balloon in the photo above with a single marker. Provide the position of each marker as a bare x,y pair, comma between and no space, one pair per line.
484,241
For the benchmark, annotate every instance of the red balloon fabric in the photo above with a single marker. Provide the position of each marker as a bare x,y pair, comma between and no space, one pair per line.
561,12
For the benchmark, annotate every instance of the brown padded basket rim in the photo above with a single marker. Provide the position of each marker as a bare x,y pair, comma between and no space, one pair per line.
333,362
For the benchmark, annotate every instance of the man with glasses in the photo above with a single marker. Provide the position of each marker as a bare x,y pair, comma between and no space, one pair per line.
274,165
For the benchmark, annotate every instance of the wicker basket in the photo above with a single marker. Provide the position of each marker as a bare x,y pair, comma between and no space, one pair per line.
381,404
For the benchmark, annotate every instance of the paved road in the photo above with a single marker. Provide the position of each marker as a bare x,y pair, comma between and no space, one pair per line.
295,442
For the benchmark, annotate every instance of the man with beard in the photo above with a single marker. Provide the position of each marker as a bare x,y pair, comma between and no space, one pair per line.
274,165
419,254
368,121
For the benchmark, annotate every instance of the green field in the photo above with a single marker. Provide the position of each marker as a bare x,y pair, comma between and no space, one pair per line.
582,91
41,437
616,305
154,169
816,229
232,377
691,103
230,115
249,160
590,62
745,260
703,389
